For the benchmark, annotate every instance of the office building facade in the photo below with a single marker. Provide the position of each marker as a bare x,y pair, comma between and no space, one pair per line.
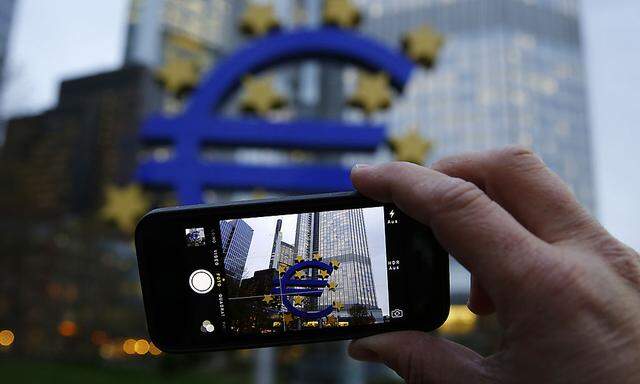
282,253
339,236
62,160
510,72
235,238
194,29
164,31
343,238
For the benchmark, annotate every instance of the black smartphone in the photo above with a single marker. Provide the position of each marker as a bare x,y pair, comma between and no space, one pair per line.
287,271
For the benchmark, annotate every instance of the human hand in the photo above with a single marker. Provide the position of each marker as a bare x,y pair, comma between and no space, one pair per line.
566,293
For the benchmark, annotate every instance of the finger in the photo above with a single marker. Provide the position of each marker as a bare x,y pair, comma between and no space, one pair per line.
479,301
520,182
420,358
475,230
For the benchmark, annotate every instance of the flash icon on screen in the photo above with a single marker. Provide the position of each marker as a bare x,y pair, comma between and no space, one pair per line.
391,214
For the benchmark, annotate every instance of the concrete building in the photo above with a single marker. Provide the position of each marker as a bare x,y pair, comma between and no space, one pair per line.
60,161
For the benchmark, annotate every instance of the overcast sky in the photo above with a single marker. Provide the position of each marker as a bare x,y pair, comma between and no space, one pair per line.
262,241
52,40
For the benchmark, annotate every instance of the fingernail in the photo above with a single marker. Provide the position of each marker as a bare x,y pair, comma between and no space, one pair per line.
359,166
359,350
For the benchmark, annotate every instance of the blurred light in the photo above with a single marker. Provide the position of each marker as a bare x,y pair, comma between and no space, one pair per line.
54,290
154,350
71,293
129,346
460,321
310,324
108,351
67,328
6,338
141,347
99,337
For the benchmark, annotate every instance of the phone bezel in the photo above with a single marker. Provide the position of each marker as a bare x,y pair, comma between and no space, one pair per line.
430,319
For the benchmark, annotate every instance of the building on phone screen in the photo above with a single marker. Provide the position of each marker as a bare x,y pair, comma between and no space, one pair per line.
340,236
282,253
235,238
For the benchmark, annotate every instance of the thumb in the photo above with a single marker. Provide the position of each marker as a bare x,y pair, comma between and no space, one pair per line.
420,358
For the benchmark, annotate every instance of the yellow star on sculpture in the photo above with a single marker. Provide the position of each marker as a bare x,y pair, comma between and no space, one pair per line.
372,92
124,206
324,274
282,269
297,300
299,259
178,75
299,274
332,320
332,286
259,193
259,95
287,318
338,305
258,19
411,147
335,264
317,257
423,45
268,298
341,13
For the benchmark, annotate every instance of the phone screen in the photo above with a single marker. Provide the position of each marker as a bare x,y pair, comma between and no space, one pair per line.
295,272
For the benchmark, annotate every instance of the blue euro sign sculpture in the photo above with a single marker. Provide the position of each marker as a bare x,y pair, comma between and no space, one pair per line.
286,285
200,124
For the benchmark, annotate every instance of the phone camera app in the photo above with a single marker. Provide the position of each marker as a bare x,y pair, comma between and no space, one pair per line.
305,271
194,237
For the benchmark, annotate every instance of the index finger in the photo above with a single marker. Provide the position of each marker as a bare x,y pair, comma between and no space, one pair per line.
479,233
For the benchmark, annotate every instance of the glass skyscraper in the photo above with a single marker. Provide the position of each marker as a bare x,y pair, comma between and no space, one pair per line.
340,236
282,253
164,31
510,72
193,29
235,237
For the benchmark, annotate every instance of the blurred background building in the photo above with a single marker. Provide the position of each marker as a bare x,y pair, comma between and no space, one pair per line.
510,71
6,16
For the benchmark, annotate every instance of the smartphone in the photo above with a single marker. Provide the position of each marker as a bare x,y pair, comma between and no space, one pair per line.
287,271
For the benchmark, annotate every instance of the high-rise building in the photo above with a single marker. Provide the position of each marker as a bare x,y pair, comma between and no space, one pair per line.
510,72
340,236
282,253
161,29
235,237
161,32
61,161
6,17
